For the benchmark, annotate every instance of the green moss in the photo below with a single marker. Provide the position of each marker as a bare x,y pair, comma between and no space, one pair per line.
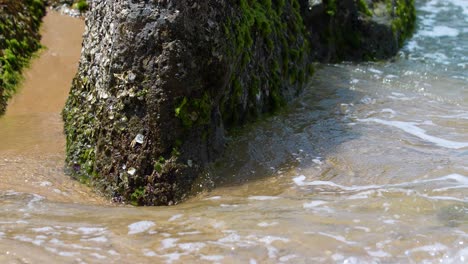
194,111
18,27
81,5
159,164
80,131
276,27
330,7
404,17
362,6
137,196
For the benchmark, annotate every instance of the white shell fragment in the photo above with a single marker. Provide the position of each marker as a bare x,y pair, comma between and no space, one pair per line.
139,139
131,171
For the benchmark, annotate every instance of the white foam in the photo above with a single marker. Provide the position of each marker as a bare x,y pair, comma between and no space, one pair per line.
373,70
23,238
363,228
300,181
437,57
213,198
456,116
459,257
149,253
263,198
36,198
43,229
388,110
413,129
337,257
437,247
169,243
98,256
450,188
454,177
287,257
91,230
139,227
175,217
317,161
270,239
212,257
378,254
337,238
68,254
412,45
439,31
367,100
45,184
463,4
76,246
99,239
361,195
233,237
51,249
454,180
56,241
171,257
191,247
272,251
266,224
444,198
113,252
229,205
314,204
390,221
400,98
189,233
38,242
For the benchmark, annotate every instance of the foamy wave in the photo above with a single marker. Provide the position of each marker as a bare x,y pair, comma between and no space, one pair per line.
440,31
413,129
453,180
139,227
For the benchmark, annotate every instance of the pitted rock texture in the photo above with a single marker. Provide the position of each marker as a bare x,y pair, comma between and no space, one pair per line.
160,82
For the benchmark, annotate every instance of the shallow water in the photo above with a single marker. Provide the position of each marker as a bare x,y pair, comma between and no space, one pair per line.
32,145
370,165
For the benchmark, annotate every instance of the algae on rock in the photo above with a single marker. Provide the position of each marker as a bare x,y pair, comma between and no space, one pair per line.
358,30
160,82
19,39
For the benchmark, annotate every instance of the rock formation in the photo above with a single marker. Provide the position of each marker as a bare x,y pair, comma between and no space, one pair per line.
161,81
19,39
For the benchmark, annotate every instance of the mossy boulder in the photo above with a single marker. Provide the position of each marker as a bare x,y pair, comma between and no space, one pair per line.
19,39
160,83
358,30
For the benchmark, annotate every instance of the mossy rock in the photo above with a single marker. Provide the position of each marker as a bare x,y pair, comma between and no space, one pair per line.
158,88
19,24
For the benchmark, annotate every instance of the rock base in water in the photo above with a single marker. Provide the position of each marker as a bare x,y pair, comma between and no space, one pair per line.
160,82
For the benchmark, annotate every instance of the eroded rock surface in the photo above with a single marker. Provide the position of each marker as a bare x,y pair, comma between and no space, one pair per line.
160,82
